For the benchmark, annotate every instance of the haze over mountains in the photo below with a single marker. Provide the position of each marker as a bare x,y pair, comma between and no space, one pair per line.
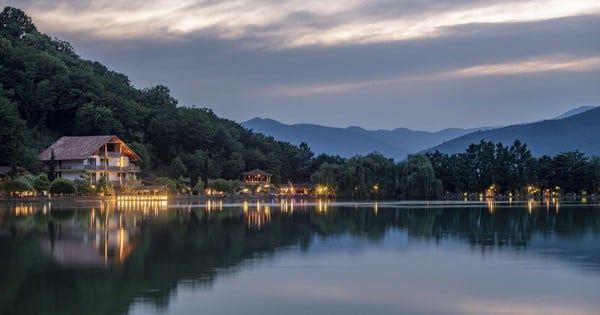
577,129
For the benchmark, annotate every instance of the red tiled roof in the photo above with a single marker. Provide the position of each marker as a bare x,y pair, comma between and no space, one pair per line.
78,148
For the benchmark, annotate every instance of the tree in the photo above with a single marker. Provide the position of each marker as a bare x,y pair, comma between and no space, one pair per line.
178,168
15,187
222,185
52,167
62,186
198,188
41,183
130,185
13,134
82,184
15,23
103,186
96,120
417,178
167,182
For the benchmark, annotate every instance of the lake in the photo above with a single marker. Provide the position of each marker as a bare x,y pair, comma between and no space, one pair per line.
299,257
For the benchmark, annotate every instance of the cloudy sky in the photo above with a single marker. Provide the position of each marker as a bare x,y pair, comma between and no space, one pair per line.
421,64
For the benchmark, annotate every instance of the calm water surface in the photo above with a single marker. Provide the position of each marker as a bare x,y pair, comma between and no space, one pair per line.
299,258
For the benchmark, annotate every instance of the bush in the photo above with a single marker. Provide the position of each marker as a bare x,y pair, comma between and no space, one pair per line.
169,183
62,186
13,187
41,183
198,188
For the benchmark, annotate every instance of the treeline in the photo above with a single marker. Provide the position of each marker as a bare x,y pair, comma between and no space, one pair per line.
513,169
47,91
374,176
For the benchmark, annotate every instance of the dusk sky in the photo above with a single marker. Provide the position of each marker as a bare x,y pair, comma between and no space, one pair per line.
426,65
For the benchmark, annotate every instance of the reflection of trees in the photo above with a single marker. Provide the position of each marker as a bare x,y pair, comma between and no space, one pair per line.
195,246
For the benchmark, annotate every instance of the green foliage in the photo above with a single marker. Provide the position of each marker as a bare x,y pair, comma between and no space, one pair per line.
512,169
15,23
178,168
14,187
103,186
198,188
96,120
372,175
143,153
417,178
82,184
167,182
41,183
221,185
62,186
131,184
13,134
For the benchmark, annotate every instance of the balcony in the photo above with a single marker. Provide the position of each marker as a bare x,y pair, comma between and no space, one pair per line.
99,168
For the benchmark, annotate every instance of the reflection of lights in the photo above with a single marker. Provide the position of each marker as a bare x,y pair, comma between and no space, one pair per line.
121,242
376,208
322,206
530,205
145,206
142,198
214,205
24,210
491,204
257,218
245,206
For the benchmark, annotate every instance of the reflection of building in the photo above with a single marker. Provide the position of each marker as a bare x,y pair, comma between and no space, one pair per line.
109,238
99,155
256,181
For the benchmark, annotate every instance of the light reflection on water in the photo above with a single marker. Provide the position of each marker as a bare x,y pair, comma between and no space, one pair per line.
300,257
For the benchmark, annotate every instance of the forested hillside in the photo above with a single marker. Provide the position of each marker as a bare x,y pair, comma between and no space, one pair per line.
48,91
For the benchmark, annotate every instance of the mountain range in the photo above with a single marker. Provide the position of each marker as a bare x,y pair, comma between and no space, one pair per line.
579,131
576,129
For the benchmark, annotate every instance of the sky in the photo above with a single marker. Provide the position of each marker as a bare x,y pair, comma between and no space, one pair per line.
420,64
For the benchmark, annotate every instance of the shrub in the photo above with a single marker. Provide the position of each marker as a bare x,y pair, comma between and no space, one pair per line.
41,183
198,188
169,183
13,187
62,186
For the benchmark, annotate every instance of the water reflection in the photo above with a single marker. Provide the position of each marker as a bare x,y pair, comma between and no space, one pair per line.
144,251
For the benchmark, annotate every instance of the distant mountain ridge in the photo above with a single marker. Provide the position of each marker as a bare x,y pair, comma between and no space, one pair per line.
578,129
576,111
351,141
399,142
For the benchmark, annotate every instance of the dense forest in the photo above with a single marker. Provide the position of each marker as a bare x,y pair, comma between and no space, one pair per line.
48,91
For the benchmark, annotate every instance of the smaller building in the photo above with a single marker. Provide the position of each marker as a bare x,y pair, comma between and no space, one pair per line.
301,189
96,155
256,181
